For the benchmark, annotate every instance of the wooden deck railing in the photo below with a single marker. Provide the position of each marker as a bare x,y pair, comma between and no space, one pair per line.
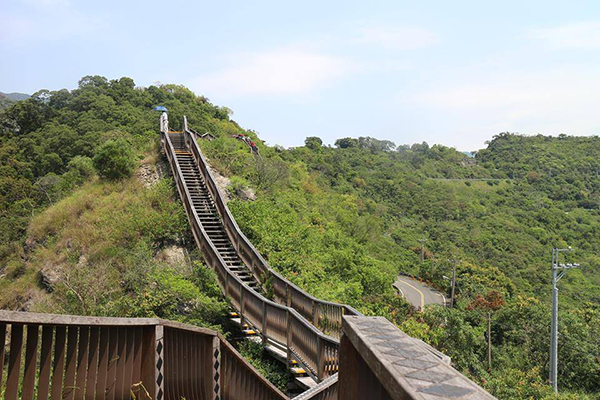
69,357
47,356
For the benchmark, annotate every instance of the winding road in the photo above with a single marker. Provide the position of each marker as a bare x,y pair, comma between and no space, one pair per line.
418,293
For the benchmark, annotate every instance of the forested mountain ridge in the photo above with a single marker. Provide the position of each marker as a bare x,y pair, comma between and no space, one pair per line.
6,99
339,221
5,102
16,96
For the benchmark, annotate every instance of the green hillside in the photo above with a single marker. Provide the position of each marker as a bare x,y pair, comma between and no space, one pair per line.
6,99
5,102
87,207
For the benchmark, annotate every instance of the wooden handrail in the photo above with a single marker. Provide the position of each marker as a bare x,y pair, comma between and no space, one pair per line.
75,357
326,315
303,316
316,351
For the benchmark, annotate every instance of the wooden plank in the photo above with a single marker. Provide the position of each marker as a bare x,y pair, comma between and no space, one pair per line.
2,350
178,363
169,368
148,363
71,361
45,362
59,363
189,365
14,362
192,366
102,364
185,364
122,359
60,319
128,368
82,361
112,363
30,362
349,359
137,356
92,363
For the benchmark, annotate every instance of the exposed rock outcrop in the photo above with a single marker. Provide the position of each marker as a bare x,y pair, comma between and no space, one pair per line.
49,277
148,175
172,255
222,183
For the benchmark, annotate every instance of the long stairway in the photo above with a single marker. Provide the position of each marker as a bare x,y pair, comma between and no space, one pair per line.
208,213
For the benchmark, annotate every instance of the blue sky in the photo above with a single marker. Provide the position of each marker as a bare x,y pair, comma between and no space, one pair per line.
450,72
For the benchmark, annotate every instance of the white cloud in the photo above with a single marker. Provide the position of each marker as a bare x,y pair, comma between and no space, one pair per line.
283,72
398,38
579,35
559,101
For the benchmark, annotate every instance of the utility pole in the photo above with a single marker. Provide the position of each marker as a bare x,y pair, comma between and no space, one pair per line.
489,338
453,283
423,240
556,276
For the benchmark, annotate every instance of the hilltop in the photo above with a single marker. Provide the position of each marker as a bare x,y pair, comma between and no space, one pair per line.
6,99
339,221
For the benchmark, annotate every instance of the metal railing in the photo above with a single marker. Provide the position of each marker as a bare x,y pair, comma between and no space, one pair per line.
317,352
70,357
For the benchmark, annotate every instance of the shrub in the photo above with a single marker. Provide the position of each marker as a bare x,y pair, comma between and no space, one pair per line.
83,165
255,354
313,142
115,160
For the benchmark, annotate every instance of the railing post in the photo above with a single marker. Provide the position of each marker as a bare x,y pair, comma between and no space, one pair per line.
159,372
216,363
320,359
289,337
349,360
264,323
288,295
242,306
315,313
227,293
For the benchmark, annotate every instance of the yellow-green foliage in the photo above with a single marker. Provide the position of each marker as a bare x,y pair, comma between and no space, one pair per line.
99,244
105,214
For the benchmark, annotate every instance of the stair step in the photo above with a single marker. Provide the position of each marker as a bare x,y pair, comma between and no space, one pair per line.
298,371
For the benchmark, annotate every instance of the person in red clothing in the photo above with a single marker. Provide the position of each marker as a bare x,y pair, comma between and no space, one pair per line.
253,147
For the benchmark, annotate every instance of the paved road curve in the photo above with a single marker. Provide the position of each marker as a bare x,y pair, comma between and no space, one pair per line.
418,293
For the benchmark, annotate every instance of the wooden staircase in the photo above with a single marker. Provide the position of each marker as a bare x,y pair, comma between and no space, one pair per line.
208,213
